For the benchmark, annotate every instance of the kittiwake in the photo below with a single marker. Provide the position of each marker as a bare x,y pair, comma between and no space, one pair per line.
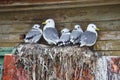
34,34
50,33
65,37
76,34
89,37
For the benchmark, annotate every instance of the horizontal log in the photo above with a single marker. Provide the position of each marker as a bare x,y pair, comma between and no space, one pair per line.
109,35
100,45
98,13
10,37
8,44
107,45
55,4
24,26
15,28
18,37
109,53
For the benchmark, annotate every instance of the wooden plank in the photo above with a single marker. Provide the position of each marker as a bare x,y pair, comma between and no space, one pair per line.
8,44
33,2
102,25
56,4
15,28
109,53
10,38
109,35
23,26
18,37
107,45
98,13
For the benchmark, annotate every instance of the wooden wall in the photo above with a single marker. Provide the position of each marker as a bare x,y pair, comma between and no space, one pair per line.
17,19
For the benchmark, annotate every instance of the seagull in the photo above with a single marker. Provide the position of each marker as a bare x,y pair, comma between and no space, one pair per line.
34,34
89,37
50,33
65,37
76,34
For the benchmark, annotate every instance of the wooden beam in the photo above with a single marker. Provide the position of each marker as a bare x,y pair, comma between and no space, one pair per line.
109,53
107,45
8,44
15,28
23,26
54,5
10,37
109,35
102,13
18,37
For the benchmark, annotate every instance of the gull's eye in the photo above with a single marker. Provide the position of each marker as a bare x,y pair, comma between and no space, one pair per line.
93,27
62,32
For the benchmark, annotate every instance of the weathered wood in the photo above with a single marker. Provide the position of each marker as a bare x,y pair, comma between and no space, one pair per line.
24,26
18,37
109,53
100,45
107,45
109,35
99,13
55,4
8,44
10,37
15,28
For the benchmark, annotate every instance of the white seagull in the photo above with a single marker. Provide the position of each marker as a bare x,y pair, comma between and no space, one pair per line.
50,33
89,37
34,34
76,34
65,37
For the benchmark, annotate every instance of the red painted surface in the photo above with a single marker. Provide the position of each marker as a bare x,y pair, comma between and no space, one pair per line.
114,68
10,72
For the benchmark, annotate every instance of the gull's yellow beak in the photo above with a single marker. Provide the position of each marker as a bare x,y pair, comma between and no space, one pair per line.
43,22
97,29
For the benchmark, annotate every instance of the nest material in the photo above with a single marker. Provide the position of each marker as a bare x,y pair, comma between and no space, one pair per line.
56,63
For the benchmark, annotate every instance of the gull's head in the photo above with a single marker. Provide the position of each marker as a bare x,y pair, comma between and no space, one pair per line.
65,30
36,26
92,27
78,27
49,23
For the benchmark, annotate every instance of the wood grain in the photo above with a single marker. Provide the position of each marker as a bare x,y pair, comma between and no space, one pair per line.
15,28
109,35
12,5
98,13
10,37
109,53
18,37
107,45
24,26
8,44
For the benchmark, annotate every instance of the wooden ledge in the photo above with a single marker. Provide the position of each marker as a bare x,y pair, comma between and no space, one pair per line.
54,5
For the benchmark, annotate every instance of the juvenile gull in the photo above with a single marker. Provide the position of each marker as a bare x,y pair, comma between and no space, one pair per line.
65,37
34,34
76,34
50,33
89,37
